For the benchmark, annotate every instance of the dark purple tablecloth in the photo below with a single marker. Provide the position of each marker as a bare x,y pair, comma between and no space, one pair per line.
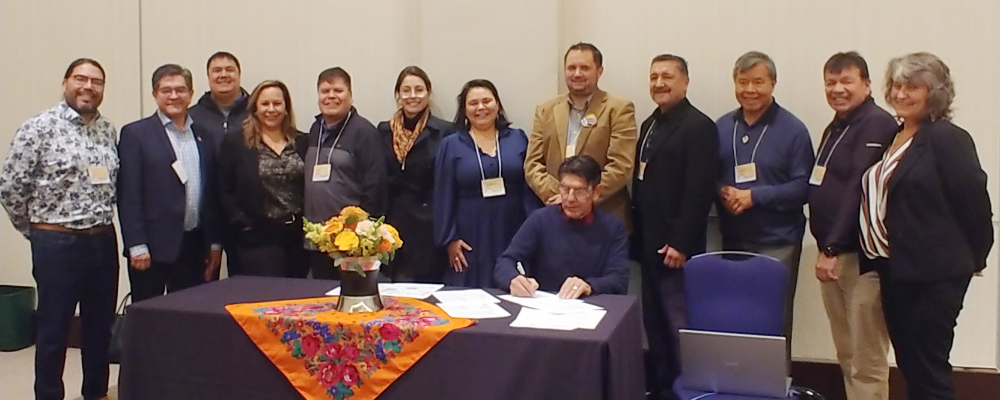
185,346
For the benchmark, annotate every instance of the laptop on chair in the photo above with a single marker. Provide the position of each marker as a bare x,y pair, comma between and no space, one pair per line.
749,365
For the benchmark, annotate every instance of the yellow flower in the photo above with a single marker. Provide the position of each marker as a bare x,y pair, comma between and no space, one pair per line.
334,225
395,235
352,211
346,241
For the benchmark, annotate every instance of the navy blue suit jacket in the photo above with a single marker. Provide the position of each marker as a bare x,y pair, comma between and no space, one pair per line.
151,198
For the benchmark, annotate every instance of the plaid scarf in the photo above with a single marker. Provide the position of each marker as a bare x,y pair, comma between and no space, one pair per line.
402,138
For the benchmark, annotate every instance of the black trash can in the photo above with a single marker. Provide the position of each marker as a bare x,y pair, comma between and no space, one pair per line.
17,311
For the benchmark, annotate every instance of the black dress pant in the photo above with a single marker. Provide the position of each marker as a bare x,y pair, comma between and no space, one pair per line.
71,269
231,245
186,271
663,314
283,256
921,318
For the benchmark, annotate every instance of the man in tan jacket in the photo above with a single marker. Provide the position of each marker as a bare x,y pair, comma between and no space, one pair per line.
586,120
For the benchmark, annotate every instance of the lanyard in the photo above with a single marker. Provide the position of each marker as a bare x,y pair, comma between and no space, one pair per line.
834,148
759,139
319,140
479,157
645,141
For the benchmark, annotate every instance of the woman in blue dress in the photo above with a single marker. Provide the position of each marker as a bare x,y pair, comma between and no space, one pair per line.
480,196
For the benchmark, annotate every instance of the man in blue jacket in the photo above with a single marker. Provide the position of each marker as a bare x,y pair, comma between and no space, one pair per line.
166,193
766,155
571,248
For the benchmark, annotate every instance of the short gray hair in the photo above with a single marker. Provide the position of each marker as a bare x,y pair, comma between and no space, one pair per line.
923,69
170,70
751,59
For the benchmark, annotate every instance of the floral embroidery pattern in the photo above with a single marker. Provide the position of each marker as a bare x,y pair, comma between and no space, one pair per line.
340,357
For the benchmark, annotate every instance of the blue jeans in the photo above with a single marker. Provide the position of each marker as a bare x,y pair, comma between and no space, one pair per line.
70,269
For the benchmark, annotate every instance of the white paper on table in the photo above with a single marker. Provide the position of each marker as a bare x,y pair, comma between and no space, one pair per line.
531,318
587,319
478,296
474,310
551,303
411,290
537,319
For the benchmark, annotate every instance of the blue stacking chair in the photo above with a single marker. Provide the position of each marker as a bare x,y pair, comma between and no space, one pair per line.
736,292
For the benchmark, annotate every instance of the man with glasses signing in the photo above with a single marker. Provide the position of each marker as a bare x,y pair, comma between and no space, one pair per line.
571,248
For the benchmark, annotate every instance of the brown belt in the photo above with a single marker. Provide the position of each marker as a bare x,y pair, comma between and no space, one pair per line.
94,230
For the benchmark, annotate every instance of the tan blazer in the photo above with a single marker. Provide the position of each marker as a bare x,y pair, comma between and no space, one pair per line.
611,142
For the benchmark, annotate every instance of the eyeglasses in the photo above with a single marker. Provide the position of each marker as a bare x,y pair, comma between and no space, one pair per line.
83,79
415,92
576,192
166,91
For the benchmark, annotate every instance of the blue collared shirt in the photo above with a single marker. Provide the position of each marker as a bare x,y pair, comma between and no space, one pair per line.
185,147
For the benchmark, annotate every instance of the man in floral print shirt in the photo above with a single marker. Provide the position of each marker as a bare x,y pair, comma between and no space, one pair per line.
58,188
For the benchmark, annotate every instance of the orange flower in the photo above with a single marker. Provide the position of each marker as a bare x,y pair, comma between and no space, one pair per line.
333,226
352,211
385,245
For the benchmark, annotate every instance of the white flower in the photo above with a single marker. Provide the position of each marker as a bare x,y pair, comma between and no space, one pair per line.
384,232
365,228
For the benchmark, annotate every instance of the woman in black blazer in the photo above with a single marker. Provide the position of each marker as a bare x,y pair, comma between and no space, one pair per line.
261,185
410,144
925,223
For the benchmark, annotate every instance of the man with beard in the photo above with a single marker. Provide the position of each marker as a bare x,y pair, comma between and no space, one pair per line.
58,187
585,120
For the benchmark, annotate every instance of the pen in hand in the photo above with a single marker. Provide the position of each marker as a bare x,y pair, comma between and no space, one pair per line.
522,285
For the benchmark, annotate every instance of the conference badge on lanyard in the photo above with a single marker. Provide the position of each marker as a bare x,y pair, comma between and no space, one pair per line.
746,173
321,173
99,175
493,187
819,172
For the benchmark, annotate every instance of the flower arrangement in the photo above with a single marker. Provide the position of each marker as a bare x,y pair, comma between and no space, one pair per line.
355,241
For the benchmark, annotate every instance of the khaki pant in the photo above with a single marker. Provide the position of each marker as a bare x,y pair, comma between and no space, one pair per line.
854,307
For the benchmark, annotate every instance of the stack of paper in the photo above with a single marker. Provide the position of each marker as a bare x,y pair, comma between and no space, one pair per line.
470,303
531,318
548,311
411,290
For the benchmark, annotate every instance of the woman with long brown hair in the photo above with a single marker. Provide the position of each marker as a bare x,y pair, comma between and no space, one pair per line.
410,142
261,185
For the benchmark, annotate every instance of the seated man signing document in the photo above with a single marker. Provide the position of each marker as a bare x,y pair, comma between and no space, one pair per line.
571,248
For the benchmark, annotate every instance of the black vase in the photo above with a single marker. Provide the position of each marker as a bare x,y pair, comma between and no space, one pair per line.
359,293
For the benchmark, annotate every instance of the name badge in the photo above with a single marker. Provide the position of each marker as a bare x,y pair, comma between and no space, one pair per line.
321,173
570,150
746,173
179,170
98,175
493,187
642,170
817,176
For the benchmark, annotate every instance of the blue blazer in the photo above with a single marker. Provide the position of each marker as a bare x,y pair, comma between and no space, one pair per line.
150,196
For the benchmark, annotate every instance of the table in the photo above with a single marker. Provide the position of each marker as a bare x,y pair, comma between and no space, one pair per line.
186,346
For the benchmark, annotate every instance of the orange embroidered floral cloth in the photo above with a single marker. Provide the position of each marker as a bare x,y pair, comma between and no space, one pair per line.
327,354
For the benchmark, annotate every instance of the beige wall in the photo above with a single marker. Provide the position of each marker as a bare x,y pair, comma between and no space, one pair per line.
518,44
